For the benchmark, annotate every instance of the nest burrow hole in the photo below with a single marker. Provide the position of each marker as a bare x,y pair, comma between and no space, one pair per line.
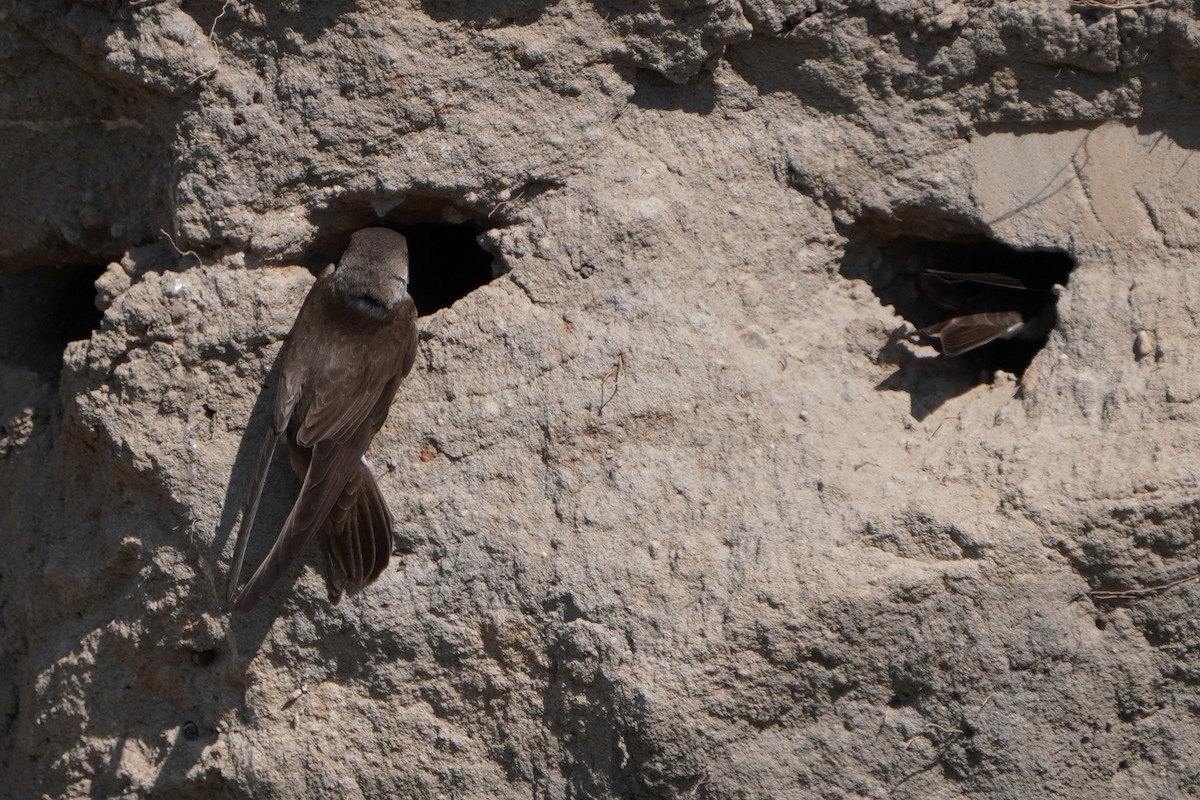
980,304
446,260
42,310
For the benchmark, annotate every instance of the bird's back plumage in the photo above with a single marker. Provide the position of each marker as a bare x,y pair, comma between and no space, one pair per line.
338,377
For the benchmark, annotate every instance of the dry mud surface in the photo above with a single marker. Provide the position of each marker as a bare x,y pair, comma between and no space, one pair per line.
678,514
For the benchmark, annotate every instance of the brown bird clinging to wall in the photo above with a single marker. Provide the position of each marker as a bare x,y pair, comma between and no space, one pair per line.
353,341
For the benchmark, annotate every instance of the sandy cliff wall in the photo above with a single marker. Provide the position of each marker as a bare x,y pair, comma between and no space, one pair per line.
679,513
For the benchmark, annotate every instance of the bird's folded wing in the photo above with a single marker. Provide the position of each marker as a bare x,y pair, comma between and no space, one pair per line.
332,462
357,535
248,514
959,335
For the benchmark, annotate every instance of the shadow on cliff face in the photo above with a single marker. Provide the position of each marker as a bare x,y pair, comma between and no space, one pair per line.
102,177
484,14
654,92
982,306
814,52
620,740
309,21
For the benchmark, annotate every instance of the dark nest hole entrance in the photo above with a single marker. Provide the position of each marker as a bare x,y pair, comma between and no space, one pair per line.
973,306
446,261
42,310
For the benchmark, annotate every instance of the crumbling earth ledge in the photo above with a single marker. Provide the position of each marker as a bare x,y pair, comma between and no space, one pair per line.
678,516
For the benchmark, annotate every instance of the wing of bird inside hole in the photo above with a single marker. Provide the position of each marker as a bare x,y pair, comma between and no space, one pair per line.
962,334
946,293
953,290
1000,279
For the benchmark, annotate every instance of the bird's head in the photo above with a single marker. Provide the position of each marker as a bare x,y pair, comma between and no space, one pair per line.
372,275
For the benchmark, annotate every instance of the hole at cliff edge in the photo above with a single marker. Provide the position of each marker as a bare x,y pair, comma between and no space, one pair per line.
973,306
447,263
446,260
42,310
